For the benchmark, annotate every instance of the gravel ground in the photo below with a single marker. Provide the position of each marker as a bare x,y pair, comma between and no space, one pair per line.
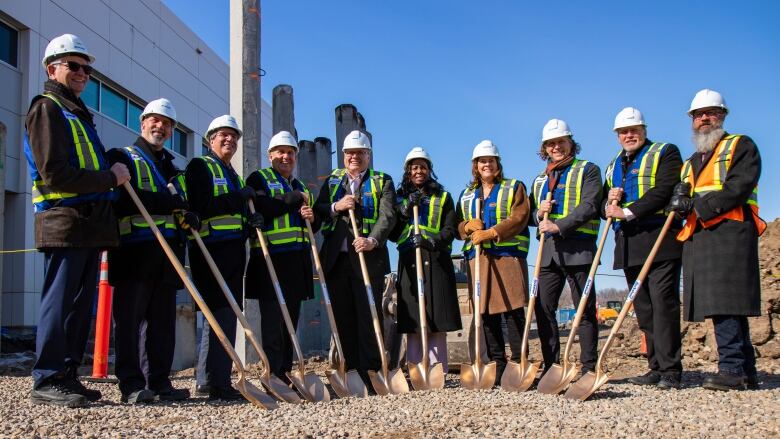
618,409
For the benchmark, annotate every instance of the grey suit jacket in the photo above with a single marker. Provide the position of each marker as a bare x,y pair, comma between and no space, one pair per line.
563,248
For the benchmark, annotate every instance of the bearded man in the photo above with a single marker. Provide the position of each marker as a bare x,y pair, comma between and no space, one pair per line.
718,198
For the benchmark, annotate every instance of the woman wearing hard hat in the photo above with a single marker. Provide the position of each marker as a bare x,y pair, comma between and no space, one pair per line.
572,228
501,227
438,226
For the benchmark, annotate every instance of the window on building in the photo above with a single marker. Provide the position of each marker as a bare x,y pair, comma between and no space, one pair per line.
9,45
134,116
113,104
178,142
91,94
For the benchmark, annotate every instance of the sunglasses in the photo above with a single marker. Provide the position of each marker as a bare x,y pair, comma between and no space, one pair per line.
74,67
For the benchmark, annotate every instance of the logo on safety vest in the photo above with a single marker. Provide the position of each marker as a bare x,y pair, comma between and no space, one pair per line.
220,180
635,171
492,205
274,186
561,186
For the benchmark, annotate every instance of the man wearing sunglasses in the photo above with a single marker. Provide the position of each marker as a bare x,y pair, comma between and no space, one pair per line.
72,193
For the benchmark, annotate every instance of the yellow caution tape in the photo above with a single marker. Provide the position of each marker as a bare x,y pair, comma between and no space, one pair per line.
19,251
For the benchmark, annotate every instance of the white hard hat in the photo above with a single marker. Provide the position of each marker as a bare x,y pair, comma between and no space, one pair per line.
707,98
67,44
417,153
628,117
282,138
161,106
356,140
224,121
485,148
555,128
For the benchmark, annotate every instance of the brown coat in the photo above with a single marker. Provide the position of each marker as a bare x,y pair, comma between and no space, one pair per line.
504,279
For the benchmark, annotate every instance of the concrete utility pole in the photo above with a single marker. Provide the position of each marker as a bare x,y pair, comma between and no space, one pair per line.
2,214
245,105
283,108
349,119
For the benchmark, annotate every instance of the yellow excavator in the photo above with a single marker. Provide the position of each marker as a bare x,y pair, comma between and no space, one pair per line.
607,315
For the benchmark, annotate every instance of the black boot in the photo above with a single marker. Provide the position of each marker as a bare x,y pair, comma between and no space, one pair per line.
670,381
225,393
58,391
91,394
649,379
752,382
724,382
171,393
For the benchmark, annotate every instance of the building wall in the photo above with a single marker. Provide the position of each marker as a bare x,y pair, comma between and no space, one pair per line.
144,52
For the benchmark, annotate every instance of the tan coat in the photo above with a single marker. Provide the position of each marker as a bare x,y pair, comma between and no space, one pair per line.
504,279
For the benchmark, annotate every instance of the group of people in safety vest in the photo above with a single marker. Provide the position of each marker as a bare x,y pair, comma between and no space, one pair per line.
80,210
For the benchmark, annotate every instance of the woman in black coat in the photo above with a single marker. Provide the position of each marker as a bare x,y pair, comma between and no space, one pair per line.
438,224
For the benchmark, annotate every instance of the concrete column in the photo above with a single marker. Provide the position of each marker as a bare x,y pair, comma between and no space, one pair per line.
349,119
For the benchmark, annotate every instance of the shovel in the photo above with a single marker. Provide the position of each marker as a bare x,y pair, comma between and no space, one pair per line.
590,382
249,391
477,376
276,386
344,383
308,384
559,376
384,382
423,375
519,377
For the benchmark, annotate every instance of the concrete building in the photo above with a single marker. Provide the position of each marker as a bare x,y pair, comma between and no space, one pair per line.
143,52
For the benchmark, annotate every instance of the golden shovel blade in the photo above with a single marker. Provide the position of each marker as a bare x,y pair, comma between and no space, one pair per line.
478,377
586,385
255,395
347,384
394,383
309,385
555,380
422,379
280,389
517,378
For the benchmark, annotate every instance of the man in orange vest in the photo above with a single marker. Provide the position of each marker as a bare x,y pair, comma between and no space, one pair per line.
718,199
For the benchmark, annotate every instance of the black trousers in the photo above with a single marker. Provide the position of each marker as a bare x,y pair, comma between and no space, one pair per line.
154,302
736,355
494,337
657,306
276,339
70,277
353,316
551,282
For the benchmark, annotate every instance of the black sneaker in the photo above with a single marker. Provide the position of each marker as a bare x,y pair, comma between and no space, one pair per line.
58,391
91,394
649,379
725,382
202,389
142,396
225,393
669,381
752,382
172,394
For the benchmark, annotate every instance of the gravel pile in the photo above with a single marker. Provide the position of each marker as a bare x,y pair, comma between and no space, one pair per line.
618,409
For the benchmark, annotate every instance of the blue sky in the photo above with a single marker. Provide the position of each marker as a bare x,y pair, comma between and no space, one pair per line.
446,74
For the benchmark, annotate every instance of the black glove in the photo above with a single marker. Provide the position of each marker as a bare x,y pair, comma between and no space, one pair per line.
418,241
177,203
256,220
247,193
189,220
681,202
415,198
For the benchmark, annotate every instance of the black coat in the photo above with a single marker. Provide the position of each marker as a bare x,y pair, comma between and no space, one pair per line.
441,294
145,259
720,264
635,238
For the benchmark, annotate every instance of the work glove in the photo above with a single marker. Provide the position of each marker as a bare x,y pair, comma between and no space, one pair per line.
178,204
681,202
480,236
418,241
248,193
473,225
256,220
189,220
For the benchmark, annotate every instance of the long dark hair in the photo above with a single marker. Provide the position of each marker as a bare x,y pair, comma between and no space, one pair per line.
575,149
431,187
475,178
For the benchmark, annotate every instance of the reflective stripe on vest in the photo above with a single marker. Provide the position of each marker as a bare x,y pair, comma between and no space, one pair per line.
287,228
134,228
220,227
83,155
504,197
369,201
639,178
431,210
568,196
711,179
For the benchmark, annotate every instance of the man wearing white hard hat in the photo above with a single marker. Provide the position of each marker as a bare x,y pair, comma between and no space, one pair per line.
144,281
372,195
218,195
718,197
285,203
73,190
639,181
572,227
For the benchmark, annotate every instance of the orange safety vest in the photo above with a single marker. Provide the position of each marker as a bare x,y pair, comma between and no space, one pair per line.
711,179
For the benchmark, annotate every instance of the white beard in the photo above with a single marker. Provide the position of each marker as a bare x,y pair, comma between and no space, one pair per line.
706,141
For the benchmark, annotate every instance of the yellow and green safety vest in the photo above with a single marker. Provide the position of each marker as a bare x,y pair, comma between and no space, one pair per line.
286,232
370,197
568,195
221,227
431,211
